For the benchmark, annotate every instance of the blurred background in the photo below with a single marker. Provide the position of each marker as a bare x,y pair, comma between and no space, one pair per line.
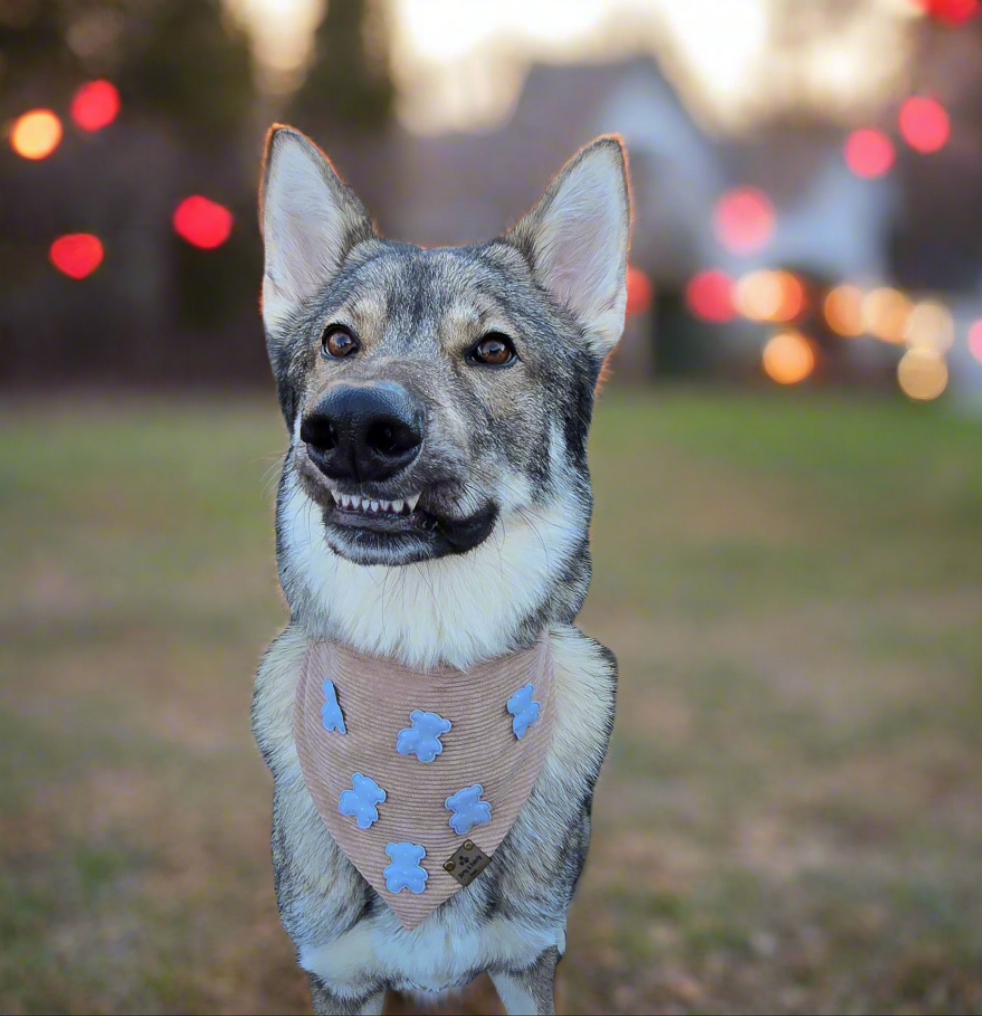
787,460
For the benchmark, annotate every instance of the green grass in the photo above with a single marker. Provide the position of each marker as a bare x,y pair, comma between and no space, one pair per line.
790,819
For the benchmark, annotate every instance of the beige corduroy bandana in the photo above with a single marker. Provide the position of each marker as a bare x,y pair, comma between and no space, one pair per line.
417,774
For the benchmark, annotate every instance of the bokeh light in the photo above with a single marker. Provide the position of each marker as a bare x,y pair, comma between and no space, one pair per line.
744,220
639,291
844,311
95,105
76,254
769,296
710,296
202,223
885,313
788,358
36,134
954,12
922,374
975,340
930,326
924,123
868,153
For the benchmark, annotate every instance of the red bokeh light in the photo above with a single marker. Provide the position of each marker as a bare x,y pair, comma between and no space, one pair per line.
975,340
95,105
952,11
77,254
639,291
710,296
868,153
744,220
924,123
202,223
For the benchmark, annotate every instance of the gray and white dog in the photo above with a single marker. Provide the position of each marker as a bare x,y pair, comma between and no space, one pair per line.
434,508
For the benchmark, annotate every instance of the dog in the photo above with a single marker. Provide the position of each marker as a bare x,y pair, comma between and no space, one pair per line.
434,511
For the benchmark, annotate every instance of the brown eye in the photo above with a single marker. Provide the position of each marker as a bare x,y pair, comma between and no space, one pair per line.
495,349
338,341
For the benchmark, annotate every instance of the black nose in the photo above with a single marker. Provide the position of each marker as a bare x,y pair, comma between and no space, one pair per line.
365,431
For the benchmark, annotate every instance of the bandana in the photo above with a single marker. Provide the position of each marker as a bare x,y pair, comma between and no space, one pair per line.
419,775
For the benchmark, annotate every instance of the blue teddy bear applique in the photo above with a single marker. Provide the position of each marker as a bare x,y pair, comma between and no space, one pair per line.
422,739
360,802
524,709
331,715
468,809
405,871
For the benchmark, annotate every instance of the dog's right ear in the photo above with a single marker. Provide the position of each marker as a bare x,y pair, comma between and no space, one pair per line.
309,221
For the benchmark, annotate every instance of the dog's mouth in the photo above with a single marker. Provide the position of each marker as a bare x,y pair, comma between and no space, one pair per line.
369,529
360,511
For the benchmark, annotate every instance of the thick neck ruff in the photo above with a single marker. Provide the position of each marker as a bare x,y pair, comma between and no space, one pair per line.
412,770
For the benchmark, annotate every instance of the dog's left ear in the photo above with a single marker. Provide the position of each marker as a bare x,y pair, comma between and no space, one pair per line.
577,237
310,219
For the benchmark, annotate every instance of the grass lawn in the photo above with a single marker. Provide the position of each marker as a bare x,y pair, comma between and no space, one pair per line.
790,819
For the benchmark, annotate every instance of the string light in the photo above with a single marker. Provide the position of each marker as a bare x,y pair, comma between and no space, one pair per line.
76,254
35,135
869,153
202,223
975,340
885,312
924,123
744,220
788,358
922,374
769,296
930,326
844,311
95,105
710,296
639,291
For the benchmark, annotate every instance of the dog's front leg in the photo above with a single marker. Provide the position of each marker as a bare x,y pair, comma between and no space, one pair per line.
529,992
327,1003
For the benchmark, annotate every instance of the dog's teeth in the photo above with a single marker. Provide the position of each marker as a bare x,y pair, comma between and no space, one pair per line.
411,501
345,501
384,505
374,506
336,496
397,506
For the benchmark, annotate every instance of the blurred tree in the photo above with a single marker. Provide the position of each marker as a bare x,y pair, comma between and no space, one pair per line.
32,47
189,62
349,85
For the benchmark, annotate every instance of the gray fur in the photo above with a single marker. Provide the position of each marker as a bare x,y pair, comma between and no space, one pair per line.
504,452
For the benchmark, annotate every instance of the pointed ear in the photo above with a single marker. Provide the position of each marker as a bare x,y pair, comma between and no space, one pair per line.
309,221
577,238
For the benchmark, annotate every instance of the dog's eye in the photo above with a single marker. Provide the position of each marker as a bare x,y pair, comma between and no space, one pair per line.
495,350
338,341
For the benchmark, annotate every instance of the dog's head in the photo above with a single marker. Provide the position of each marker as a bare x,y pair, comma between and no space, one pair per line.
438,400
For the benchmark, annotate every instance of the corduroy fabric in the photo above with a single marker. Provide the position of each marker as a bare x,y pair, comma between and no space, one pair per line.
376,697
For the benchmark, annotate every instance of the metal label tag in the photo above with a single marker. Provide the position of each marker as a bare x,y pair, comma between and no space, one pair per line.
467,862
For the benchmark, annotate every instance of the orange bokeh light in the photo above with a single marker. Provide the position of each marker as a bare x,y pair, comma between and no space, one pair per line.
77,254
36,134
788,358
868,153
744,220
202,223
95,105
710,296
924,123
769,296
844,311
